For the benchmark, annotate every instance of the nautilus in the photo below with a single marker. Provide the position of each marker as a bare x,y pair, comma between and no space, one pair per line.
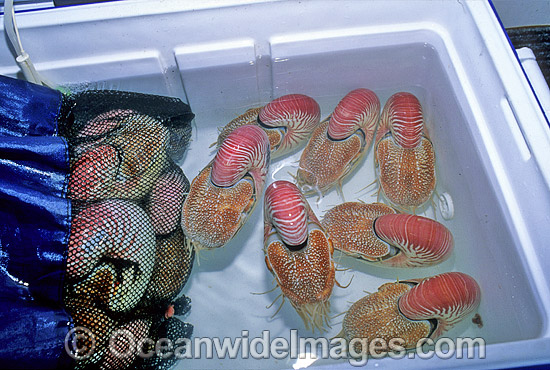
288,121
173,264
298,253
404,154
121,155
411,310
111,250
376,233
340,142
225,192
165,201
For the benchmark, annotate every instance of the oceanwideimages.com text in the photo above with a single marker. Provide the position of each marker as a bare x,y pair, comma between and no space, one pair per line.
357,351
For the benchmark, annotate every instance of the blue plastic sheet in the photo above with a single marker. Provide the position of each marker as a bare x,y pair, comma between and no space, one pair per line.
34,226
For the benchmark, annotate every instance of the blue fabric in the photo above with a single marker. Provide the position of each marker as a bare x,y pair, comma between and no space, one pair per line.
28,109
34,210
34,226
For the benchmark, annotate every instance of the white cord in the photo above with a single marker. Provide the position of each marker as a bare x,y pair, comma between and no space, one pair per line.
23,59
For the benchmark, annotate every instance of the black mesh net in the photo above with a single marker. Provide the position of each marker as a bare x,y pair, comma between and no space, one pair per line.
128,258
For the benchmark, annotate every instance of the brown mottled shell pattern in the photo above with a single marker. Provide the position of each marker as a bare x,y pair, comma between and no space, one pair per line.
173,263
314,169
250,117
304,276
350,227
377,316
208,204
407,176
247,118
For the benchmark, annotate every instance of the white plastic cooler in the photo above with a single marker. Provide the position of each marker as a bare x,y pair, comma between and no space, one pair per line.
491,138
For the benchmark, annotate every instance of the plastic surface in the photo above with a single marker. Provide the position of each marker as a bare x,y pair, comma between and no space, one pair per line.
529,63
490,136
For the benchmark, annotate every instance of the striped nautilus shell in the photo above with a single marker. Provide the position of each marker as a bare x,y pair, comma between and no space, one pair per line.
404,154
125,163
340,142
411,310
225,192
298,253
165,200
376,233
288,121
294,116
111,249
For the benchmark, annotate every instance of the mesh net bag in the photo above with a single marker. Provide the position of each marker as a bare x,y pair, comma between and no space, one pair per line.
127,256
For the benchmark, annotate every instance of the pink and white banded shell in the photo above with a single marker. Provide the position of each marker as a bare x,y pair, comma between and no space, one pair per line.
119,230
422,241
105,122
403,116
447,297
245,150
166,201
287,210
358,110
298,114
93,173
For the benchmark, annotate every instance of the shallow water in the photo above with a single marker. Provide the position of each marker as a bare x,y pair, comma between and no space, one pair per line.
223,286
225,282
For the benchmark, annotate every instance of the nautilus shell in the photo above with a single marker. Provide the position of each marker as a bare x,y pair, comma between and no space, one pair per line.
225,192
165,200
250,117
298,253
294,116
411,310
173,263
404,154
111,249
375,233
288,121
340,142
124,164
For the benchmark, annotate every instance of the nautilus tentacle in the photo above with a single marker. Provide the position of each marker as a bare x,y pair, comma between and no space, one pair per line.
340,142
407,311
297,115
404,154
224,193
448,298
111,244
304,270
375,233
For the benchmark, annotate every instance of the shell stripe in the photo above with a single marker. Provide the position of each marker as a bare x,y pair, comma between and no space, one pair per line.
423,240
358,110
404,117
298,114
245,150
287,210
447,297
